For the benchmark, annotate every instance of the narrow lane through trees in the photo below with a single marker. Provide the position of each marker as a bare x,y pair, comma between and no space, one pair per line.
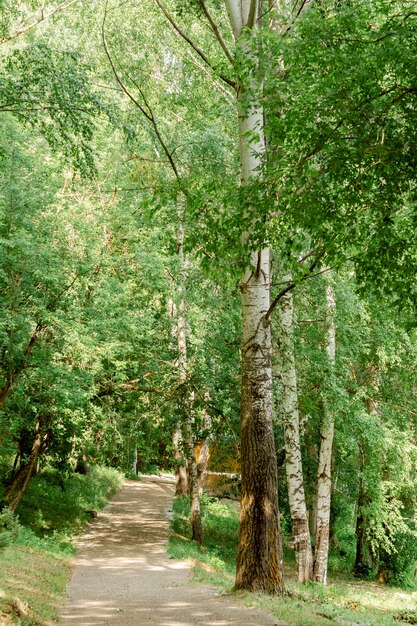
123,576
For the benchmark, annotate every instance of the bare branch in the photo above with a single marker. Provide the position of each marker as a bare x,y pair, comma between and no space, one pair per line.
115,73
301,259
216,82
298,13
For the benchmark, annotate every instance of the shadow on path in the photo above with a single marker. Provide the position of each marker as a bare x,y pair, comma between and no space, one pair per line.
123,577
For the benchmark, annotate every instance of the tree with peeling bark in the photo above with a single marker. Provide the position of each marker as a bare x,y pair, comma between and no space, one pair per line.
259,557
293,458
324,475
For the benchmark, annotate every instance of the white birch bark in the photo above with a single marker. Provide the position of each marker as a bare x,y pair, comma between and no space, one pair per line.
324,479
135,461
293,461
259,558
203,456
181,474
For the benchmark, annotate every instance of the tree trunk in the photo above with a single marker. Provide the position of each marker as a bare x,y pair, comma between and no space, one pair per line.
324,481
135,461
259,557
293,461
203,454
187,402
362,561
202,465
193,486
12,376
181,473
16,489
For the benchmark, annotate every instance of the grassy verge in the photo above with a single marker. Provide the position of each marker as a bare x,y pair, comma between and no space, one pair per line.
35,562
345,601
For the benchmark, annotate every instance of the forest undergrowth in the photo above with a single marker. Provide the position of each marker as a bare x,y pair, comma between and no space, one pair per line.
36,547
345,600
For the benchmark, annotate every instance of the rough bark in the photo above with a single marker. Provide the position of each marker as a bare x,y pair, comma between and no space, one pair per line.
193,486
293,461
324,480
259,556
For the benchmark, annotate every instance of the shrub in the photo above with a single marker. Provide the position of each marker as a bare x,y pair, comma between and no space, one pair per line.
9,528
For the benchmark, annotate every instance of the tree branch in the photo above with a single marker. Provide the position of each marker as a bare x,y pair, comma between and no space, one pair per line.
42,18
192,44
147,114
291,286
216,31
22,364
131,385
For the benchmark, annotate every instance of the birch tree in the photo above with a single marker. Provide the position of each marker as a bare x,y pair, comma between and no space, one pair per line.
181,477
186,401
259,556
324,476
293,459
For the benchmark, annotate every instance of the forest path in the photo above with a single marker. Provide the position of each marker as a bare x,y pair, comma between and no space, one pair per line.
123,577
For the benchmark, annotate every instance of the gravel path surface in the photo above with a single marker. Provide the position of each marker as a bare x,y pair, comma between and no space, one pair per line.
123,577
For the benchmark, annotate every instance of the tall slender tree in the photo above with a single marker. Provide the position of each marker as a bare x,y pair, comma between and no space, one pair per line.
324,476
293,459
259,556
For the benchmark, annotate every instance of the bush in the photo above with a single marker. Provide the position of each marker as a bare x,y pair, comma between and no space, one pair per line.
64,503
399,567
9,528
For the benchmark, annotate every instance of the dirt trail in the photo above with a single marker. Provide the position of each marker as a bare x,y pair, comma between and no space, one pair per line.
123,577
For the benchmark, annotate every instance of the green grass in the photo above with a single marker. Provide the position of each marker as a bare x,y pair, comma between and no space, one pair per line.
346,601
217,556
35,567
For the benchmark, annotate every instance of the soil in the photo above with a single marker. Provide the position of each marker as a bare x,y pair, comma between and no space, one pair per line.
123,577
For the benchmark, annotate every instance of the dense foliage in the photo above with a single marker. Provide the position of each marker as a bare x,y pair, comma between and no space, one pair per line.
121,206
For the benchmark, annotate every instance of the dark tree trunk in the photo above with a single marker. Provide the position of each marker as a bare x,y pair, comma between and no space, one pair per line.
259,556
195,509
363,561
196,523
14,374
16,489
